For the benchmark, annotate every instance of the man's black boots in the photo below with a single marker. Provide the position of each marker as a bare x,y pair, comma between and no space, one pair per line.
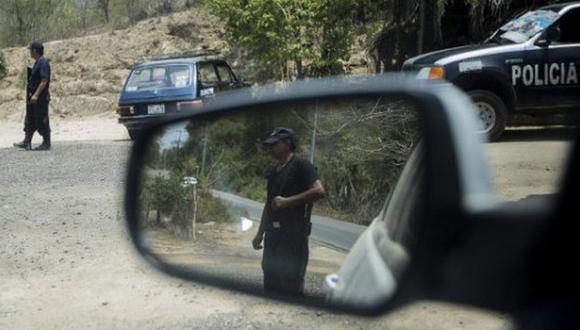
26,143
45,144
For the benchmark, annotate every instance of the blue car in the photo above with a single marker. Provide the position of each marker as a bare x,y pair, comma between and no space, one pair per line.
171,85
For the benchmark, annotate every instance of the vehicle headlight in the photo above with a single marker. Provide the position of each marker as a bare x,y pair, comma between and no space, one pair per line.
432,73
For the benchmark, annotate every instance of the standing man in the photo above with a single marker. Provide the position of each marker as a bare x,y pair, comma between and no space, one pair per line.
293,187
37,99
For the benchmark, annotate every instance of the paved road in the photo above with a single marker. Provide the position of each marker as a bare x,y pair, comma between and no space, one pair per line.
338,234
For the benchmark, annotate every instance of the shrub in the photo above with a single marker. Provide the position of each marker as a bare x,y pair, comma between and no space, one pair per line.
3,69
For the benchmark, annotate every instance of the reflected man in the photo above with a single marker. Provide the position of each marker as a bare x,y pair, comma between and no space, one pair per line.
293,187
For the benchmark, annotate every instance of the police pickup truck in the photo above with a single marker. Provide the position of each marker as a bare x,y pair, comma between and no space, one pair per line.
530,66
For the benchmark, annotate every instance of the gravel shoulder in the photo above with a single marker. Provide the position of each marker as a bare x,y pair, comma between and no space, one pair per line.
67,261
529,161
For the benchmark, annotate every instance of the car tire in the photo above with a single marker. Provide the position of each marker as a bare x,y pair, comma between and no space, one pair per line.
492,112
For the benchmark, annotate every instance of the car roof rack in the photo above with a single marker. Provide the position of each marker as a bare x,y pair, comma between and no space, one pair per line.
188,54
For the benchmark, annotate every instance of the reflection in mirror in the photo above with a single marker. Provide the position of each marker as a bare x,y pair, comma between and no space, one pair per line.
273,198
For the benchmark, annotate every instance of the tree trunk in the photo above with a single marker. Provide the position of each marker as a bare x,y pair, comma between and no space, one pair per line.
20,26
104,6
476,15
131,11
420,32
432,26
299,69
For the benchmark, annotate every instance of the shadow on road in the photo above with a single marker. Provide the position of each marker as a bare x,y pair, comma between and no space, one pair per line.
559,133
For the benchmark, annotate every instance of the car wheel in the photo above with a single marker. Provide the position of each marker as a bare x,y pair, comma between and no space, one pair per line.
491,111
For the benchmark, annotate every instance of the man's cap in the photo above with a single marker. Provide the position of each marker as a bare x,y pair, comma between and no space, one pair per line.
280,133
36,45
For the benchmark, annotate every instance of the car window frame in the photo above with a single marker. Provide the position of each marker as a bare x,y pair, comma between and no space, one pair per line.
396,216
202,82
556,24
229,72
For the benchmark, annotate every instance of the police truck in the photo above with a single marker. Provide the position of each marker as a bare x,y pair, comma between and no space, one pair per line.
529,66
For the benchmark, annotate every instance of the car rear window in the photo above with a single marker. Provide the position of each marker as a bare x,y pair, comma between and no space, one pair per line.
159,77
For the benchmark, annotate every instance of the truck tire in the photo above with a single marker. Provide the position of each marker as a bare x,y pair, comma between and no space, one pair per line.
492,112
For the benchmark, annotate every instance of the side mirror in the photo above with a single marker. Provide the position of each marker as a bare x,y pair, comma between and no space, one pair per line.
365,216
552,34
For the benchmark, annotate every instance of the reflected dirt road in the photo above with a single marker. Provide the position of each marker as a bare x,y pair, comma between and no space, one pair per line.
225,252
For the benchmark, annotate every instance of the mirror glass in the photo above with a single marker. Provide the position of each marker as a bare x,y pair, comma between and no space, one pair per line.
312,176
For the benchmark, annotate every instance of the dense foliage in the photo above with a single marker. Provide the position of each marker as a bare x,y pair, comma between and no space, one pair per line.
24,20
313,36
296,38
283,39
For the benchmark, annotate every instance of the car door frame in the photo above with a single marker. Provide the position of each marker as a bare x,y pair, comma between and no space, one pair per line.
560,97
215,87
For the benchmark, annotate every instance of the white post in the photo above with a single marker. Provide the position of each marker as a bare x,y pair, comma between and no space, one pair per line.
313,138
204,150
194,208
190,181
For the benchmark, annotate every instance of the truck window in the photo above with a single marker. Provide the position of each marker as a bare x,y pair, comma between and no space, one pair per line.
570,27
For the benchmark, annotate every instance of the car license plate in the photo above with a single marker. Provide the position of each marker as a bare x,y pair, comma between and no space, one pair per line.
156,109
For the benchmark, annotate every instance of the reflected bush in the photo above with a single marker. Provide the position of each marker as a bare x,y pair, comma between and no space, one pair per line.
167,204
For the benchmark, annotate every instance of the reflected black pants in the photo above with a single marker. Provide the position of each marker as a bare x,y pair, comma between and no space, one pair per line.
37,119
284,262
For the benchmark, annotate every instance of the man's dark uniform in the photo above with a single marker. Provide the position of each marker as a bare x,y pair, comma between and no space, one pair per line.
286,235
37,114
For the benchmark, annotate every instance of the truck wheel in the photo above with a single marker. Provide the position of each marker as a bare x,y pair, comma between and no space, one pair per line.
491,111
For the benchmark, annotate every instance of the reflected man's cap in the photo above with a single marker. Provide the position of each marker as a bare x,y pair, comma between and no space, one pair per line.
37,45
280,133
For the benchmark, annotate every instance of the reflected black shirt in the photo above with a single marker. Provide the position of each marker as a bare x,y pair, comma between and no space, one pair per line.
40,70
295,178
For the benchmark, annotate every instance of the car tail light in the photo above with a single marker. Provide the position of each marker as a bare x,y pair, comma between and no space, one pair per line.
125,110
189,105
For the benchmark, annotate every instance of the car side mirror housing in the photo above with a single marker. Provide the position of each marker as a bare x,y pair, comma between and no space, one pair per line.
402,174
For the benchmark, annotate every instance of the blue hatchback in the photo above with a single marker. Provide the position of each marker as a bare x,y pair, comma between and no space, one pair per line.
167,86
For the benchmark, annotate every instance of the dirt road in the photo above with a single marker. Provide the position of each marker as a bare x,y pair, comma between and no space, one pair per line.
66,261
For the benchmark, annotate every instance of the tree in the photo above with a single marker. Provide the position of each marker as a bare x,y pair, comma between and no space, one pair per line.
3,70
132,9
103,6
25,20
294,38
83,7
399,29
